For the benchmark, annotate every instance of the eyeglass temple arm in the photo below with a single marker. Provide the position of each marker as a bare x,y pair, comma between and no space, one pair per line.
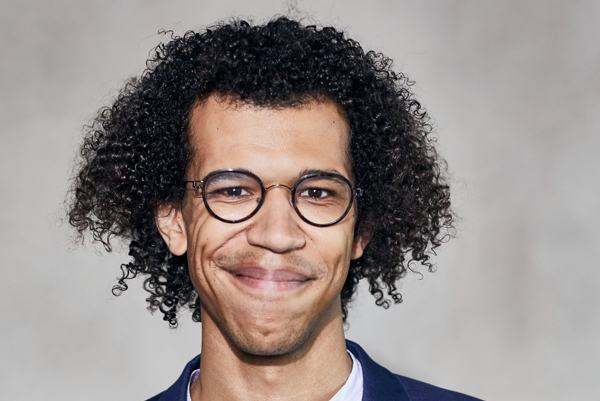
195,184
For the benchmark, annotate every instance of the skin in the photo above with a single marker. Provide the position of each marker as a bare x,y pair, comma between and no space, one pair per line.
270,286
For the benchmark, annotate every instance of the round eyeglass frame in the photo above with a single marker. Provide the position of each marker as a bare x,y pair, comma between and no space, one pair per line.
201,184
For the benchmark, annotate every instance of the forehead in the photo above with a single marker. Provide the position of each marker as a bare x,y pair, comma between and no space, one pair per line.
268,141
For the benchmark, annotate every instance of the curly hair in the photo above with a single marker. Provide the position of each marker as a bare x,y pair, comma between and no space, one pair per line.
134,154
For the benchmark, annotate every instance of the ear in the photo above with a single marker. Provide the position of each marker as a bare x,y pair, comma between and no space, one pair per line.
169,221
361,241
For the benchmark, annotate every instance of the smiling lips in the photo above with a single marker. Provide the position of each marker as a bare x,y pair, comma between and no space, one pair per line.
270,280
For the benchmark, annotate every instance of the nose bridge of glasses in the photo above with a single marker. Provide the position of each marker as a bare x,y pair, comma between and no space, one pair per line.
277,186
270,187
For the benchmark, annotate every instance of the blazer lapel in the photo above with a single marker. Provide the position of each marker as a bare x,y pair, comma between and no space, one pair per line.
379,384
178,391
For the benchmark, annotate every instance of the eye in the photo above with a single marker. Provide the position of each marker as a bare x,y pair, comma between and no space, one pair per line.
234,192
314,193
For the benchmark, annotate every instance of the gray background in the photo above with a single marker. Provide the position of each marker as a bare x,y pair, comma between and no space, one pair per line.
511,313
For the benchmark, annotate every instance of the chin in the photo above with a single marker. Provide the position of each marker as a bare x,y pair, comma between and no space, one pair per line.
273,348
271,344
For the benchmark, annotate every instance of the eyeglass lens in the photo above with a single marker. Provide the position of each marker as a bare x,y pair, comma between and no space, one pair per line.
233,196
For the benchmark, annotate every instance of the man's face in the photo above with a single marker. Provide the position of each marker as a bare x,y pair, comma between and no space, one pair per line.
267,284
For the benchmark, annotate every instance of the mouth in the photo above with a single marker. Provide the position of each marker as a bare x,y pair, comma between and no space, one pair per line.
269,280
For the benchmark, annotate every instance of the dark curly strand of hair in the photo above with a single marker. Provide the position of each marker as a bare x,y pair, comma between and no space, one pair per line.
134,154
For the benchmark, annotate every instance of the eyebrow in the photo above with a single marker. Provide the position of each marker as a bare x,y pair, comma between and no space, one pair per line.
302,173
227,175
318,171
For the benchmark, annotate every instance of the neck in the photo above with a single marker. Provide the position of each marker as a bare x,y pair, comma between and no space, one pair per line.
314,371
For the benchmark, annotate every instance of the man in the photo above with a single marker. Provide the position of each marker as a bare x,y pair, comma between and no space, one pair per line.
259,172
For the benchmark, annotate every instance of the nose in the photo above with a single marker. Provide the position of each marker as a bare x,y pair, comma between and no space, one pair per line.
276,225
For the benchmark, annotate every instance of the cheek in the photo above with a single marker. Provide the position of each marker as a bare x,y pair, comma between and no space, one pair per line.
206,237
197,225
334,248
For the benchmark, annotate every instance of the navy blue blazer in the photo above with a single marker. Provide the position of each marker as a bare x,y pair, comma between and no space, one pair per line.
379,384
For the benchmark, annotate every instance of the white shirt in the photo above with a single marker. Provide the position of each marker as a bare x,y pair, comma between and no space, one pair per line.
352,390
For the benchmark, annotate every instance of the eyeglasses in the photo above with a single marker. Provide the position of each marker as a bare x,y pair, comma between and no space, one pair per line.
233,196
